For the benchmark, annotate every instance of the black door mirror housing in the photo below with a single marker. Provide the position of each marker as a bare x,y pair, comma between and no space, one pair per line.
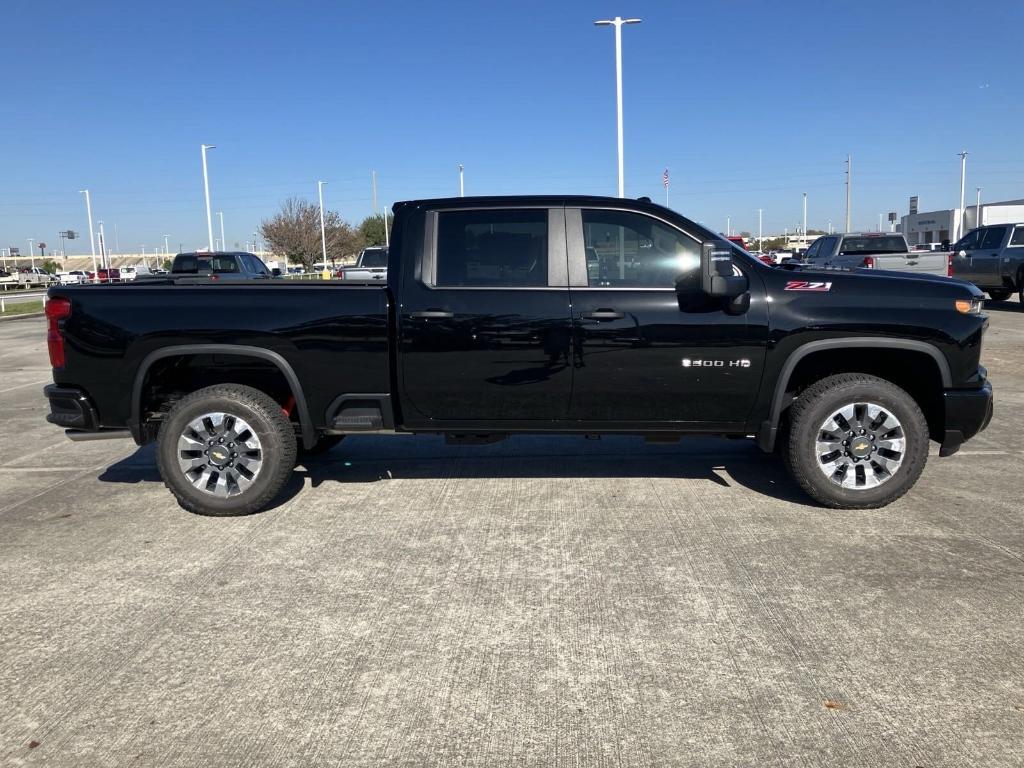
717,276
275,272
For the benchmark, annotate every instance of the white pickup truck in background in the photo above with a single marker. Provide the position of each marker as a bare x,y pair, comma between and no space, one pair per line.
874,250
372,264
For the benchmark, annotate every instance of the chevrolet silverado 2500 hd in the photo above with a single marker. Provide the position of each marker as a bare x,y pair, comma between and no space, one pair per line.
528,314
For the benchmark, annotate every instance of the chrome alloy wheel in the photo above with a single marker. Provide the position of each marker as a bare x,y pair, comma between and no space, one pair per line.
860,446
220,454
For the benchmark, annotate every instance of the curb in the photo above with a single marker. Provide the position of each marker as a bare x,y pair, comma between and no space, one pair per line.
26,316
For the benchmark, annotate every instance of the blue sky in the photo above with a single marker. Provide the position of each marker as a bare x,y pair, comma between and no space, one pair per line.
747,104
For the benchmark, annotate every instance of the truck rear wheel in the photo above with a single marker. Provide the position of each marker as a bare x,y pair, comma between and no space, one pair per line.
856,441
225,450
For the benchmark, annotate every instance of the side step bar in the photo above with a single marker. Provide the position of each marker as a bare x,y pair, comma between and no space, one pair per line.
81,435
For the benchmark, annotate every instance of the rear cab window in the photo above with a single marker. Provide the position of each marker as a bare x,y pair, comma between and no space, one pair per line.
488,248
872,245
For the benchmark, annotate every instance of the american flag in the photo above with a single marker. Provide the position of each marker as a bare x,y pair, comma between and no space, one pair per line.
664,178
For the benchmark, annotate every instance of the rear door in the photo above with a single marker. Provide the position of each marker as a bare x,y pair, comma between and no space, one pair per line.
484,325
985,260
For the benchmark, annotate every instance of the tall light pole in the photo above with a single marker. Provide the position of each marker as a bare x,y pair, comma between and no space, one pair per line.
963,178
849,180
223,242
462,186
387,237
103,247
206,189
323,231
805,216
167,245
92,237
728,226
977,208
255,242
760,239
617,22
880,225
31,253
830,226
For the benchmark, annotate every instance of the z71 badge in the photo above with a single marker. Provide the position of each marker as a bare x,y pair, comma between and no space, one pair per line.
804,285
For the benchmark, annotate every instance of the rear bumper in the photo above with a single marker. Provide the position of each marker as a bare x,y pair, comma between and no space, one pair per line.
968,412
71,408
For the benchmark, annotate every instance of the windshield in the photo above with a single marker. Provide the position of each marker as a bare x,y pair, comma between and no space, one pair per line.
378,258
868,245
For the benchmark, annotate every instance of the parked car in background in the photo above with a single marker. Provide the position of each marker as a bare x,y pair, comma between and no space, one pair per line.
371,265
7,279
104,275
74,277
36,276
233,265
872,250
134,271
992,258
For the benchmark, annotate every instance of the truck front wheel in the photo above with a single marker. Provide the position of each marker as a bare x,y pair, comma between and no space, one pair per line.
225,450
856,441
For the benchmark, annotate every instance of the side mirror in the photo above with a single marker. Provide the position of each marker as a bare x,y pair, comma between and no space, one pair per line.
717,276
275,272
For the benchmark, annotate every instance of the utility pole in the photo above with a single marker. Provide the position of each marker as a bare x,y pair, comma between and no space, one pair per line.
206,190
830,226
31,253
760,239
462,187
963,178
323,231
223,242
977,208
849,179
805,215
373,183
617,22
92,237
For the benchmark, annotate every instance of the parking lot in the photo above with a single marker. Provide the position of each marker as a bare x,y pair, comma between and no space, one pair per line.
542,601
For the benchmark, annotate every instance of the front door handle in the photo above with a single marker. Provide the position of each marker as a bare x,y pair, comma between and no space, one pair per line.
432,314
602,314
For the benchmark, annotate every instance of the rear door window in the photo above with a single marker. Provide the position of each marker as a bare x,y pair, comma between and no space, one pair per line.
492,248
993,238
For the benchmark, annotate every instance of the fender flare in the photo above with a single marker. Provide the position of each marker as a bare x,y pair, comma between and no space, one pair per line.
301,407
769,429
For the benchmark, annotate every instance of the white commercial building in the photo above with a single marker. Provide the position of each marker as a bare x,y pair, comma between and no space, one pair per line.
939,226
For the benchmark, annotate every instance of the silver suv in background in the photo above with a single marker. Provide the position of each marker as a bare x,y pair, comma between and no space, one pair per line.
992,258
873,250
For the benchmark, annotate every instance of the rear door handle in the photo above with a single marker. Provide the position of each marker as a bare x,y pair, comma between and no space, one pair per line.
602,314
432,314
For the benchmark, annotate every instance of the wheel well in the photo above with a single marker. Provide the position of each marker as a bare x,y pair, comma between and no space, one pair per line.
915,372
170,378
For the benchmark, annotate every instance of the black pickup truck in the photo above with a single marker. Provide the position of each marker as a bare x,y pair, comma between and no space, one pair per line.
511,315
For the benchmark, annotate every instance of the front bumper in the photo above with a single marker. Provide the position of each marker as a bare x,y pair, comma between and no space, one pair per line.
968,412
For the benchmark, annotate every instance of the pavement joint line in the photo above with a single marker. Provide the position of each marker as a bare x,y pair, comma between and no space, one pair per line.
59,484
22,386
15,470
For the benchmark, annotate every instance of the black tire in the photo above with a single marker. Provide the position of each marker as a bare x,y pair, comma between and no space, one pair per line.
999,294
276,438
820,401
323,445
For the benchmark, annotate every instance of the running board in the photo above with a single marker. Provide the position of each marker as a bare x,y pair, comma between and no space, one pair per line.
81,435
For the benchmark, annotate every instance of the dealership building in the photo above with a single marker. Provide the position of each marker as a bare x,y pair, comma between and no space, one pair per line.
939,226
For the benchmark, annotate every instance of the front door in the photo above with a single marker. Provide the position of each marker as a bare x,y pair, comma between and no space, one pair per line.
650,348
986,258
484,325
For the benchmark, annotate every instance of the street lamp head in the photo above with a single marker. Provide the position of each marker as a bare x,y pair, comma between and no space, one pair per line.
208,146
631,21
604,23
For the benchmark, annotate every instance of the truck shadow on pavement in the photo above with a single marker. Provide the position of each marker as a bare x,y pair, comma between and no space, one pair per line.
721,463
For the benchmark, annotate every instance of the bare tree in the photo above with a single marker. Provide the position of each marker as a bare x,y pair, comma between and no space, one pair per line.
295,232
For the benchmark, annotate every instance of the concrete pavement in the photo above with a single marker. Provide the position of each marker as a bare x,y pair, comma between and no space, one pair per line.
542,601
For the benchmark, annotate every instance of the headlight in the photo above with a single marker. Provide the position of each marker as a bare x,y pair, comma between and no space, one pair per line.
970,306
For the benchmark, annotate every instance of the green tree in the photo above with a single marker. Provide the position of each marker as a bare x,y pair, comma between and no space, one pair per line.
372,228
294,232
49,266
